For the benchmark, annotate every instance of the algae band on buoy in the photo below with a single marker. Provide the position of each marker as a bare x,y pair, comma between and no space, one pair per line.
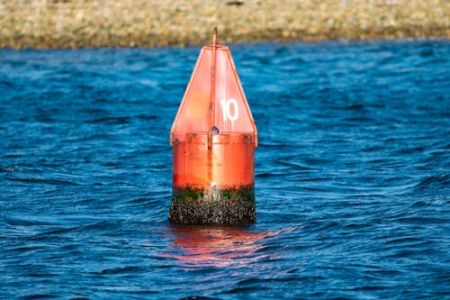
214,139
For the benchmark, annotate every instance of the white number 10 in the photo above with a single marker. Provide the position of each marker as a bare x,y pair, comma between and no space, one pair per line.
226,109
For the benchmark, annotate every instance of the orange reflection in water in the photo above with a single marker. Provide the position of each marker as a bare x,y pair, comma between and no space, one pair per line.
218,246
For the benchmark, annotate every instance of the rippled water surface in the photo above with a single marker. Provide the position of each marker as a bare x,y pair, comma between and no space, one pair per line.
352,175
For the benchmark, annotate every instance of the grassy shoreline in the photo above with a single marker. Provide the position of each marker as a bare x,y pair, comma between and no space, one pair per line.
157,23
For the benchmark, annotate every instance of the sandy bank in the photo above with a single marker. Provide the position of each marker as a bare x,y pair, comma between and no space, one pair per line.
150,23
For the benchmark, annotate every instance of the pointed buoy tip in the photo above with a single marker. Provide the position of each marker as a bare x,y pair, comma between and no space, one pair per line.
215,39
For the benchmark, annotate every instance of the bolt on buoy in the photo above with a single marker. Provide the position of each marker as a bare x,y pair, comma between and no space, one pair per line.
214,139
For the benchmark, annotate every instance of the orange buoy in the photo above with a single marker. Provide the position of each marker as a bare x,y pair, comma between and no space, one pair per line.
214,139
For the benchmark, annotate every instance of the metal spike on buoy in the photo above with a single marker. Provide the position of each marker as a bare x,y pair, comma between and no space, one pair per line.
214,139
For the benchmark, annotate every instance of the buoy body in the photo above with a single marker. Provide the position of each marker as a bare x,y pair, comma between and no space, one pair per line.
214,139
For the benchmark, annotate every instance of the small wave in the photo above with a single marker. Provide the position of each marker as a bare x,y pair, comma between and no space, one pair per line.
195,297
411,150
434,183
423,220
359,120
403,240
111,120
147,117
296,165
265,175
102,225
52,233
120,270
249,289
43,181
369,288
93,137
13,221
407,253
426,53
38,296
352,107
356,226
9,169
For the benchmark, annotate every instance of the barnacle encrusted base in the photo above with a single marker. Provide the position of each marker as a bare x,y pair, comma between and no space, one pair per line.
213,206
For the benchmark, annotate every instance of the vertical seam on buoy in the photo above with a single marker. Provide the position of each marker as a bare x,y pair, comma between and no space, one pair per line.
212,104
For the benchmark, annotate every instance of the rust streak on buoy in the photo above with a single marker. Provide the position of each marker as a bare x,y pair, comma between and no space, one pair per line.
214,139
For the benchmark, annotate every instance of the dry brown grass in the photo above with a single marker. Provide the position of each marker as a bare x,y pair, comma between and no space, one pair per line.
149,23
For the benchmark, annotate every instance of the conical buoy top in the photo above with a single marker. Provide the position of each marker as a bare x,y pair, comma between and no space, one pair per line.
214,98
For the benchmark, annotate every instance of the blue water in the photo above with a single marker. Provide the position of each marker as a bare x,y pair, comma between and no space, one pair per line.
352,175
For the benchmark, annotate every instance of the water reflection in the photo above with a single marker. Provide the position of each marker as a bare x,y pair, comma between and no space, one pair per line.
217,246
